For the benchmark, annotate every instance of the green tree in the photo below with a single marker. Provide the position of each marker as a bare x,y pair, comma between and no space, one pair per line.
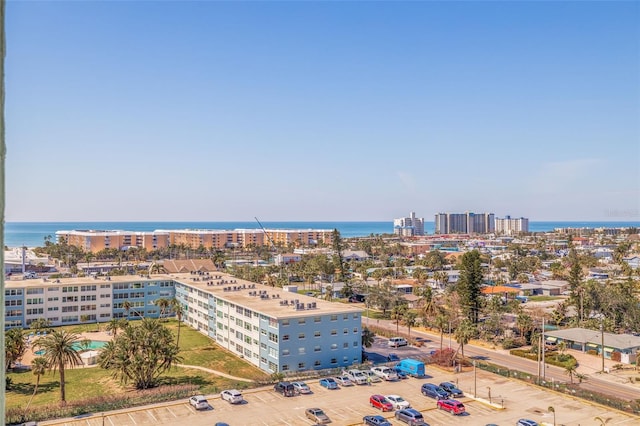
397,313
570,370
368,337
113,326
525,325
576,289
14,346
38,368
60,351
442,324
338,248
177,307
40,324
468,286
465,331
141,353
164,304
410,320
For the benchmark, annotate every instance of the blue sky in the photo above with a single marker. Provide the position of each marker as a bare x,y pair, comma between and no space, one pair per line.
322,110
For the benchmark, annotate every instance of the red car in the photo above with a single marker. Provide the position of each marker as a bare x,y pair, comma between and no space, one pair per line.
379,401
451,405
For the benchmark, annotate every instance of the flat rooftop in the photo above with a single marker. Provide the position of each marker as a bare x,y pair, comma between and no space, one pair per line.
257,297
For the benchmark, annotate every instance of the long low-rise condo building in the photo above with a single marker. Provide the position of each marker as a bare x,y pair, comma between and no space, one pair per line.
97,240
273,329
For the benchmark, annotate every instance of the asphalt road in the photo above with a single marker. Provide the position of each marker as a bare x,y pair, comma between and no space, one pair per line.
552,373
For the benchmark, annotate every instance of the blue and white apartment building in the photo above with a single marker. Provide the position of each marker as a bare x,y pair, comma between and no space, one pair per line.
273,329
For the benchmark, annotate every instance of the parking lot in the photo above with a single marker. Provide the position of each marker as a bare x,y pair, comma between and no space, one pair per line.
347,406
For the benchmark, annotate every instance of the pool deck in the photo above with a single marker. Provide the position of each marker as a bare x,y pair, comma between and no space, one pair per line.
29,355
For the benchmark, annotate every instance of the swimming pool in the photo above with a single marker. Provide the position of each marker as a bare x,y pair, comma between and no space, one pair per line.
78,346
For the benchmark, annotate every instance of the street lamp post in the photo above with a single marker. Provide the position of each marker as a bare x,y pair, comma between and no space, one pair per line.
553,410
449,334
489,389
602,340
475,380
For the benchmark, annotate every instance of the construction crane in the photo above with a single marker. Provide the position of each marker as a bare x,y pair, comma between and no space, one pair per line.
273,246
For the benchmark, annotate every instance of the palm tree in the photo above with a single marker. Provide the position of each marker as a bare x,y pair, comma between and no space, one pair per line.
409,320
60,352
463,334
442,321
570,369
177,307
38,368
14,346
163,304
368,337
126,305
113,326
397,313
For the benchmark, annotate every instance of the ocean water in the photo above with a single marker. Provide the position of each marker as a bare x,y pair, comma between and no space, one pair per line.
32,234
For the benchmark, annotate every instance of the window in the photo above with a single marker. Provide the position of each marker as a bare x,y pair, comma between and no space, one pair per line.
301,366
273,337
285,352
285,337
355,330
301,336
334,332
302,351
356,316
345,345
355,344
317,319
334,346
302,321
317,348
316,334
334,361
317,363
334,318
345,316
273,353
285,367
285,322
345,331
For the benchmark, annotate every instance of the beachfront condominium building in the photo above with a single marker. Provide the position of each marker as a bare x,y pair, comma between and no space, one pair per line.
95,240
275,330
464,223
409,226
512,226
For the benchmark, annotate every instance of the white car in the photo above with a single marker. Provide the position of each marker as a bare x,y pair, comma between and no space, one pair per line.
356,376
395,342
398,402
385,373
373,377
301,387
344,381
199,402
232,396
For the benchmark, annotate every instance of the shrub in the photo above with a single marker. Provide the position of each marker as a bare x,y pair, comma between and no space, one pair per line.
592,352
510,343
443,357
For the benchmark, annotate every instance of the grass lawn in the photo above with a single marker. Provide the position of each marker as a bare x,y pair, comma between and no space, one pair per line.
84,383
544,298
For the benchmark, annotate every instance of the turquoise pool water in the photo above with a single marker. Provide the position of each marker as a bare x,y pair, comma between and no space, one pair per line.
93,345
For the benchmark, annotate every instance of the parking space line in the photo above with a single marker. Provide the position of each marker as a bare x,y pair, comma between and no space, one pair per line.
151,415
172,413
132,419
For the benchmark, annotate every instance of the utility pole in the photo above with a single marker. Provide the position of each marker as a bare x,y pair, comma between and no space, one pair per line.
602,340
475,380
544,374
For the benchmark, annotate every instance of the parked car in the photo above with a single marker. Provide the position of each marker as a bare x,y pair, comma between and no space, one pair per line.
393,357
434,391
411,417
375,421
451,405
373,377
199,402
344,381
329,383
317,416
385,373
396,342
380,402
285,388
301,387
357,377
232,396
401,374
451,389
526,422
398,402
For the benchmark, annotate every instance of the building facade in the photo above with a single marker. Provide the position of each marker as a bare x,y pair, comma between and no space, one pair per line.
95,241
409,226
512,226
464,223
273,329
